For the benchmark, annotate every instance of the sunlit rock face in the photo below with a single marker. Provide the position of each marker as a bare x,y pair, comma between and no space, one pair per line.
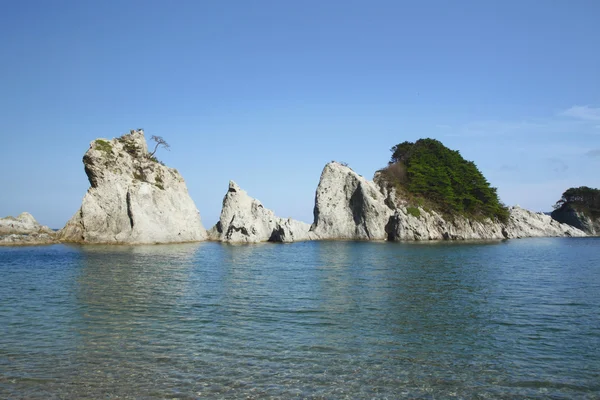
525,223
429,225
133,198
347,206
24,230
245,220
24,224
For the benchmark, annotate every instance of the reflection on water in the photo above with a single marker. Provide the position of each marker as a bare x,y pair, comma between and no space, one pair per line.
126,297
307,320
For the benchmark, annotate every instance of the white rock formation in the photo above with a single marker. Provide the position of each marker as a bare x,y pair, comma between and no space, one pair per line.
133,198
24,230
525,223
347,206
31,239
431,226
24,224
245,220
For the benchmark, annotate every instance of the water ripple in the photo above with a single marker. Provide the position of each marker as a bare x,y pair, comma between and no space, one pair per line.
316,320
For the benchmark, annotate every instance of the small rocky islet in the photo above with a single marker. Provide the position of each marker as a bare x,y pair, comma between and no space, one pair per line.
24,230
135,199
579,207
132,198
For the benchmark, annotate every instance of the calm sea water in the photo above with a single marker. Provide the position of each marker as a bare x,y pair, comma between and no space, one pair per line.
321,320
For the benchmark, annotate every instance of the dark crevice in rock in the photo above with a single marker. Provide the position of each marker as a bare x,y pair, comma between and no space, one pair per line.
236,229
91,173
316,213
357,205
277,235
367,231
82,223
389,203
129,210
232,228
390,228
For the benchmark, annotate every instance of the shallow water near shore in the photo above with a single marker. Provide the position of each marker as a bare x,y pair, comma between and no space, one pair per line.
321,320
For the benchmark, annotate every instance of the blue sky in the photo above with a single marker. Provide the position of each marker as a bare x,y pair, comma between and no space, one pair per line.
267,92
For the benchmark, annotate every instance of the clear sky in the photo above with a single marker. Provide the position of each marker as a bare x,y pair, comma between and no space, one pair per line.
267,92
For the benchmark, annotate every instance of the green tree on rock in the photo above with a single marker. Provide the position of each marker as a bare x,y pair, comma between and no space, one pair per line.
582,198
428,172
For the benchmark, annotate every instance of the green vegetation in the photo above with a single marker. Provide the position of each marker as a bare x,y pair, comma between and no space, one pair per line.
414,211
156,160
158,181
138,176
431,175
130,148
583,199
103,145
128,144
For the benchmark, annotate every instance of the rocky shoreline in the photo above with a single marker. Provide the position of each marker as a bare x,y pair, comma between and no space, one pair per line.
350,207
134,199
24,230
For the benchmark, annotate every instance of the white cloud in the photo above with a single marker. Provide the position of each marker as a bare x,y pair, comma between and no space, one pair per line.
523,128
580,123
557,164
583,112
508,168
593,153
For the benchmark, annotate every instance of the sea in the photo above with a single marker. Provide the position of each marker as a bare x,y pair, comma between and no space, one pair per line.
516,319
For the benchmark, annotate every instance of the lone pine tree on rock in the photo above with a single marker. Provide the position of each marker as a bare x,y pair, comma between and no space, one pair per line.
160,142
